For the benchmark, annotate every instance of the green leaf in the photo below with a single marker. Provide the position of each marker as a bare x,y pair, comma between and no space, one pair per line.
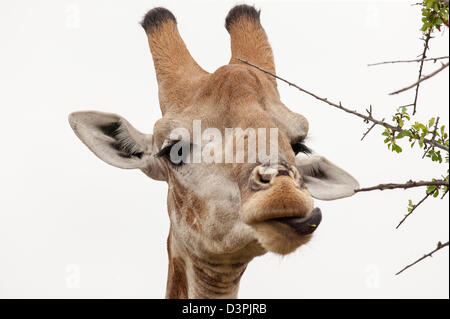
421,141
396,148
410,206
431,189
420,126
431,122
403,134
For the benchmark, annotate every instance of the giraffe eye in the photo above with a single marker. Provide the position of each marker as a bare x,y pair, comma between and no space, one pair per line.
176,153
300,147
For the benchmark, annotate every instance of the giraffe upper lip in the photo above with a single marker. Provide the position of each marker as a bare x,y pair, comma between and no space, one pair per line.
303,225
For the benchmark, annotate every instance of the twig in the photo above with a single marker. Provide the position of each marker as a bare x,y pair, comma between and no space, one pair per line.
439,246
367,118
408,61
415,206
409,184
370,129
425,77
424,55
369,111
421,3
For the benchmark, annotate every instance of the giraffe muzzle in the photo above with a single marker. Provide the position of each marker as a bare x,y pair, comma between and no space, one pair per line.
303,225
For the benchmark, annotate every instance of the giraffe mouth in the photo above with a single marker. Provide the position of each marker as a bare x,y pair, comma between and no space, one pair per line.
303,225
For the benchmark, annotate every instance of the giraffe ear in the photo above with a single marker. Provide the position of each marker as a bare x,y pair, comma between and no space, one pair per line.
325,180
115,141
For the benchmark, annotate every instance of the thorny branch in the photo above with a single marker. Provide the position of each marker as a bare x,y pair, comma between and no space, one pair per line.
421,3
417,83
424,55
413,208
409,184
370,129
430,254
408,61
367,118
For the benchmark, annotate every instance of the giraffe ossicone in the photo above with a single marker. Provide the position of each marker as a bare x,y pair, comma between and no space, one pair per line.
236,189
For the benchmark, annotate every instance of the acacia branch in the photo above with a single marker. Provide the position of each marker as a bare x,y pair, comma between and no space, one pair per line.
426,77
430,254
408,61
367,118
409,184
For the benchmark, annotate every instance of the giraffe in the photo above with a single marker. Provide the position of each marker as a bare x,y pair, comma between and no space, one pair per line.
222,215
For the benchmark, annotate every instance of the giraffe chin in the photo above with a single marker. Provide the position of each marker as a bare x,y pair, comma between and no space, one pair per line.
279,238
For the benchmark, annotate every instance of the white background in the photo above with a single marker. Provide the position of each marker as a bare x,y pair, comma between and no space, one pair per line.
72,226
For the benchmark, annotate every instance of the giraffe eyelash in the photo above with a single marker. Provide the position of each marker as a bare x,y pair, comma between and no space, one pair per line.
166,152
300,147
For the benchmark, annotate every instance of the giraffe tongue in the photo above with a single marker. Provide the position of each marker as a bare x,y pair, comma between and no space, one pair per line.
303,225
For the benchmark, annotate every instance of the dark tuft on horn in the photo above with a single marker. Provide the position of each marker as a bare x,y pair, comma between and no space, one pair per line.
155,18
239,11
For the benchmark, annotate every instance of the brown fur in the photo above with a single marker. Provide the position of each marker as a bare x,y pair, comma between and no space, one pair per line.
188,206
192,276
177,287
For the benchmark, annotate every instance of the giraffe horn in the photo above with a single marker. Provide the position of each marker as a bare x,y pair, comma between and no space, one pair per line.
248,38
176,70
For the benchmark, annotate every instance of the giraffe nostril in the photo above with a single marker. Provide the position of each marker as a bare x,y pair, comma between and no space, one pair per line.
266,174
283,173
265,178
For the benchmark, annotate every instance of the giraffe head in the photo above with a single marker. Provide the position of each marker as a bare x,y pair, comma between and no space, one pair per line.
222,204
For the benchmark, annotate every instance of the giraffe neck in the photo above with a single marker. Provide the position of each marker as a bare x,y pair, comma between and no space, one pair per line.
192,277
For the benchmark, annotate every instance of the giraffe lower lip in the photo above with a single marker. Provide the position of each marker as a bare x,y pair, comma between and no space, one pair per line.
303,225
